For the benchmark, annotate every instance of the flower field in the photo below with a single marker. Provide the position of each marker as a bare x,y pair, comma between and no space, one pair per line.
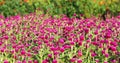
45,39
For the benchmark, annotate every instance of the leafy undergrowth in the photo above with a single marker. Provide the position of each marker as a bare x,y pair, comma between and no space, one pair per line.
43,39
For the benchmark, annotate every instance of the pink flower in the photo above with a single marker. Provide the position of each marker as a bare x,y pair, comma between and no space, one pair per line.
97,60
30,61
52,48
95,43
6,37
113,48
62,49
1,43
72,43
103,51
44,61
79,53
79,61
67,46
108,35
12,51
54,61
114,61
93,54
96,32
35,61
23,52
6,61
39,43
56,53
88,25
80,43
106,55
105,62
50,55
24,61
113,43
81,37
51,38
16,49
86,30
73,60
1,23
2,49
61,40
29,54
19,62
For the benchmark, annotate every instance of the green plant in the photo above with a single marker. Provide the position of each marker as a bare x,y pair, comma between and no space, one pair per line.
14,7
57,7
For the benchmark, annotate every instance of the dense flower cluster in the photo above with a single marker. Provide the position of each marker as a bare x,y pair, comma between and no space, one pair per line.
43,39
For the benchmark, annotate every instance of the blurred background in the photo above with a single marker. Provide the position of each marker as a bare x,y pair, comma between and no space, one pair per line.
86,8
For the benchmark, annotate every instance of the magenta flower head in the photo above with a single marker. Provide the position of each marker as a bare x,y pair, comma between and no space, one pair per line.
72,43
89,25
108,35
12,51
2,49
81,38
62,49
1,17
113,43
24,61
6,37
79,53
29,54
106,55
23,52
113,61
1,24
52,48
30,61
93,54
105,62
73,60
70,39
97,60
56,53
50,55
68,28
52,38
96,32
19,62
6,61
44,61
70,22
54,61
75,14
16,50
36,61
79,61
95,43
67,46
113,48
80,43
86,30
39,43
61,40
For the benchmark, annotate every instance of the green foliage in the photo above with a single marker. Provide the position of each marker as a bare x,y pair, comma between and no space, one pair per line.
85,7
14,7
57,7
